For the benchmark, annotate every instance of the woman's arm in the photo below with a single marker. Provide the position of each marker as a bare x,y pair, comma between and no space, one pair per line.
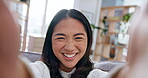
137,66
10,66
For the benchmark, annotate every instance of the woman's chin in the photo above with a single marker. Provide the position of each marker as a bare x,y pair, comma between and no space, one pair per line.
67,68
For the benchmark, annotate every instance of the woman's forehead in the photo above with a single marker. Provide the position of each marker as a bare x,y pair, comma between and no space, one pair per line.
69,25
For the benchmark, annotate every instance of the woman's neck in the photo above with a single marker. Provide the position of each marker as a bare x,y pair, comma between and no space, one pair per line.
65,69
66,74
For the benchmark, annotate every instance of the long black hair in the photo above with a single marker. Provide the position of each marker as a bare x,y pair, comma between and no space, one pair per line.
84,66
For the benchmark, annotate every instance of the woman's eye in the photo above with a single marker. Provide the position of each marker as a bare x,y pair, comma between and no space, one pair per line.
79,38
60,38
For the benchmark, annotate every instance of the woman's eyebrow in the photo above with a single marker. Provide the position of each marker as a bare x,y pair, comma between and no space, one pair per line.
59,34
79,34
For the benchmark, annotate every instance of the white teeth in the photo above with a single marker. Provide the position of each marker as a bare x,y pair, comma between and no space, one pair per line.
71,55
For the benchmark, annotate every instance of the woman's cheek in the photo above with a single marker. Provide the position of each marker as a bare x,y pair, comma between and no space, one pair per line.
57,45
82,46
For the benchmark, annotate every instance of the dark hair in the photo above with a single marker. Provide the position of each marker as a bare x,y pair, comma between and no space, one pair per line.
84,66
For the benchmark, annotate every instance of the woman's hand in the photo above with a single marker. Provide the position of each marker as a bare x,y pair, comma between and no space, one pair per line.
10,67
137,66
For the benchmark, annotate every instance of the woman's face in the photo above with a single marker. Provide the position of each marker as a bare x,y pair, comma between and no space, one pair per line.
69,43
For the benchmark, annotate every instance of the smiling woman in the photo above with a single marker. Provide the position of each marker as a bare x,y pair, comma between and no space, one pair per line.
70,45
65,53
67,47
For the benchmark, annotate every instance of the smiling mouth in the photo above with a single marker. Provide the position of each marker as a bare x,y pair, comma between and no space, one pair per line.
69,55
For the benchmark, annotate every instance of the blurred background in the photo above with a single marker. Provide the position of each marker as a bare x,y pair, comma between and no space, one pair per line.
110,21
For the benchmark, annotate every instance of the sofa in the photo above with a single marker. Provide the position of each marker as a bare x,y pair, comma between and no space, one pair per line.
32,56
103,65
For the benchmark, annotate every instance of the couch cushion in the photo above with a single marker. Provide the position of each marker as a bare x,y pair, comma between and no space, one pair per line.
32,56
107,65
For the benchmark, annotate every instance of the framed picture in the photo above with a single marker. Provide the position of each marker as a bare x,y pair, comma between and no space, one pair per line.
88,15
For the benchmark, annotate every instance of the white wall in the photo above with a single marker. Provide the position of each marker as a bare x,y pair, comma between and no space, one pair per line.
93,7
134,2
90,6
107,3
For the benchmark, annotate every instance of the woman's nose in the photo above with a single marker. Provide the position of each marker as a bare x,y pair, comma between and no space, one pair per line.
69,46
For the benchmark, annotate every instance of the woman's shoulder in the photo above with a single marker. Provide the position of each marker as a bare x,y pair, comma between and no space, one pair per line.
38,63
40,69
97,73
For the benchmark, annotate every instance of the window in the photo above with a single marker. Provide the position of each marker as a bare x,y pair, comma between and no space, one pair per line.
42,12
